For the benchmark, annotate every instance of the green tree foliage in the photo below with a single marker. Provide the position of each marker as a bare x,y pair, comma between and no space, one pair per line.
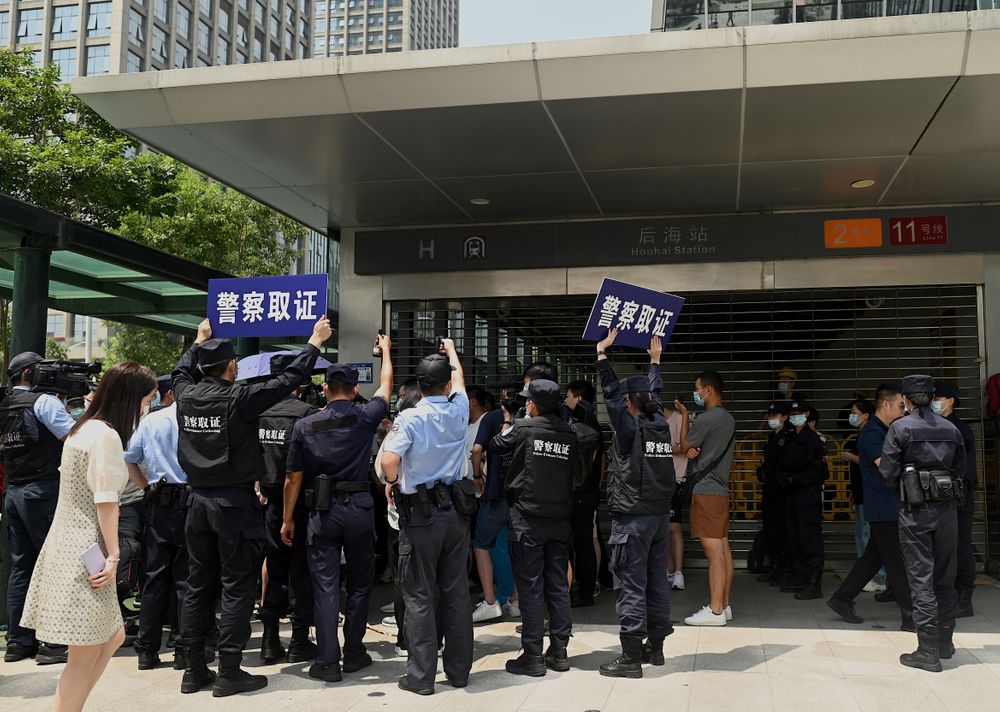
57,153
55,349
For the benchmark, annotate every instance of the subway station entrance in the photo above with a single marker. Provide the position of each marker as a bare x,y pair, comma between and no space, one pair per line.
839,341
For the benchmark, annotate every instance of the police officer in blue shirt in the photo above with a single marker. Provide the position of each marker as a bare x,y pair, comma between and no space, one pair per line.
425,454
32,427
164,579
328,457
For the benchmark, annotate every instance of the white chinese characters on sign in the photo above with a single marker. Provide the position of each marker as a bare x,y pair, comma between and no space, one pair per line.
622,316
254,307
228,304
305,304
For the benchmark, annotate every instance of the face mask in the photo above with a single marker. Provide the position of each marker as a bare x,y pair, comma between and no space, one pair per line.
75,413
774,423
937,406
854,419
798,420
156,401
699,401
783,387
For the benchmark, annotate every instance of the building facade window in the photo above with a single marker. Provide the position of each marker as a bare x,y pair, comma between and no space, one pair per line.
161,10
136,27
65,59
376,4
376,20
201,62
337,23
289,41
303,50
355,41
221,51
29,26
55,325
182,56
395,18
133,63
225,12
336,5
206,7
258,49
245,6
183,22
99,19
274,27
98,59
79,326
239,57
160,51
356,21
4,28
65,22
204,36
394,36
319,25
374,38
242,33
337,42
319,8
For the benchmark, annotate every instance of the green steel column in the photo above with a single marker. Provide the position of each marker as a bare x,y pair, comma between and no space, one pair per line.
30,300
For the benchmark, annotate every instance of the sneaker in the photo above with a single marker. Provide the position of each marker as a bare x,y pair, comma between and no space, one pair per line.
678,584
597,589
387,608
872,587
389,621
706,617
340,620
728,613
670,576
487,612
402,652
511,609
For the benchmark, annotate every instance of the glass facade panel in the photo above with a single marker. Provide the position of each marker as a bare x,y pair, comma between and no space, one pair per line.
65,22
98,59
183,22
182,56
136,27
29,26
65,59
133,62
4,28
99,20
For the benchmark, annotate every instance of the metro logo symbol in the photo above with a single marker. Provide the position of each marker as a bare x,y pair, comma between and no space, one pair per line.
863,232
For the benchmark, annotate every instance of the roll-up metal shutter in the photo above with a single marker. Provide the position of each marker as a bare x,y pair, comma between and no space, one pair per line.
841,342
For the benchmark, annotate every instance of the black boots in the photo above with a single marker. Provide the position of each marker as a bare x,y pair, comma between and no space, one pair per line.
652,652
180,658
812,589
965,603
196,674
271,650
926,656
792,583
232,680
556,657
148,661
629,663
946,646
301,648
530,662
844,608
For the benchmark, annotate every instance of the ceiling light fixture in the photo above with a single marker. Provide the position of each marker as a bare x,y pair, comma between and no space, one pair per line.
863,183
480,201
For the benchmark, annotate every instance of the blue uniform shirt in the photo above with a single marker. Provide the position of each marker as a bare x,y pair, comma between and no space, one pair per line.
51,413
431,440
881,503
344,452
154,444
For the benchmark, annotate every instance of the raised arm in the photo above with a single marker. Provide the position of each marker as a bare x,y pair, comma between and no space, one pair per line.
186,373
655,352
457,374
385,376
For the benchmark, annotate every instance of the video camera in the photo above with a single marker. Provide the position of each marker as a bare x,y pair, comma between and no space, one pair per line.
67,378
312,393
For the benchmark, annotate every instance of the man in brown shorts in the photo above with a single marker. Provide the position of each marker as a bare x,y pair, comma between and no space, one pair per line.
710,446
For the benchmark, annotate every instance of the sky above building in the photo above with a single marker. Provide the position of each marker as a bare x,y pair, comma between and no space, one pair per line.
488,22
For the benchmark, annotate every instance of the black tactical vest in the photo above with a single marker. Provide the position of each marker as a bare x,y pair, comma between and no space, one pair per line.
275,432
215,447
644,484
540,482
30,454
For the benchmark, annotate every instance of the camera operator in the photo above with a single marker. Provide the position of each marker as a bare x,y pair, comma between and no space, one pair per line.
34,425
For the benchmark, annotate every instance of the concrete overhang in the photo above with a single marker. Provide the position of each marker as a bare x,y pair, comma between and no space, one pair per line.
713,121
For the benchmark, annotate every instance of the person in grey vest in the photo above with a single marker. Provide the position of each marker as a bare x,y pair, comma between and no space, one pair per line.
924,459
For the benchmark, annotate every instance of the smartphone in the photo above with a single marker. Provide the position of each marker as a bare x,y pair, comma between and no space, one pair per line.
93,559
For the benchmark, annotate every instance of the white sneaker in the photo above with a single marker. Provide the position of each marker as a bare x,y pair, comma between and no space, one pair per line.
670,576
706,617
678,581
597,589
487,612
388,608
872,587
511,609
728,613
401,653
389,621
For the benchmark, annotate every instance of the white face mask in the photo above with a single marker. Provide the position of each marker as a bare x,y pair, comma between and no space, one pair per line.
774,423
783,387
798,420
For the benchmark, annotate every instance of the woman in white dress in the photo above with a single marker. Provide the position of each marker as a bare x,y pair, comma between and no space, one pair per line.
64,604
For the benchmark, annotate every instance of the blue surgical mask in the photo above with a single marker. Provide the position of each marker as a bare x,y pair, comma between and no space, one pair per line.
774,423
937,406
798,420
783,387
156,401
699,401
854,419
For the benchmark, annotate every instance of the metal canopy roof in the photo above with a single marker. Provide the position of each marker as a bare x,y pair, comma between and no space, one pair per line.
714,121
98,274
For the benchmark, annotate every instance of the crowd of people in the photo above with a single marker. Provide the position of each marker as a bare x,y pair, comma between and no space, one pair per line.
253,497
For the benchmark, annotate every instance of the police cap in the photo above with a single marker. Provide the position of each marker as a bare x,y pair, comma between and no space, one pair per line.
637,384
544,394
799,406
341,373
23,361
216,351
918,383
434,370
947,390
778,408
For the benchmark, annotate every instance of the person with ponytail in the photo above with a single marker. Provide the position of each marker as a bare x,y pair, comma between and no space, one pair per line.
66,603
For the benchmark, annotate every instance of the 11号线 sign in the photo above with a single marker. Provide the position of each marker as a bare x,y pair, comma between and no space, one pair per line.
638,313
288,305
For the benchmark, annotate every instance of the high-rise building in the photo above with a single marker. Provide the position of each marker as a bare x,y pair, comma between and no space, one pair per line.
104,37
375,26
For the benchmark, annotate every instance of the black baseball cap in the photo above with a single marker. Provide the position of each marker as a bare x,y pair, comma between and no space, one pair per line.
947,390
215,351
22,361
778,408
434,370
342,373
799,407
918,383
543,393
637,384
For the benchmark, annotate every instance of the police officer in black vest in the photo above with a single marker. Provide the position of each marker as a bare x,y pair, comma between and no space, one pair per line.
328,458
32,428
289,587
641,484
539,488
924,459
219,449
773,499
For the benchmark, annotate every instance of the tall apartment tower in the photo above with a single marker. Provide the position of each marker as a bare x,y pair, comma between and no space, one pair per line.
375,26
93,37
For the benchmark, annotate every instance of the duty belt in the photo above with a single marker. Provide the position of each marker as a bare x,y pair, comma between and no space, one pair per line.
325,488
166,493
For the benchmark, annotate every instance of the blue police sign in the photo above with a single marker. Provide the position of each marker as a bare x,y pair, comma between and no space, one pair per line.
289,305
638,313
